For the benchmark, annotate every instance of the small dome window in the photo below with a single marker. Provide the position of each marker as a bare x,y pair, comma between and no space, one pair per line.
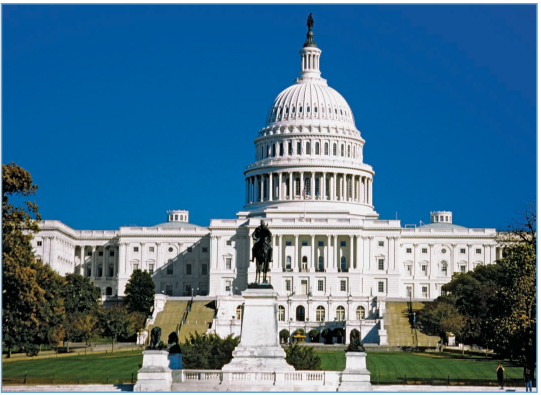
341,112
308,109
315,109
335,111
300,109
287,110
293,110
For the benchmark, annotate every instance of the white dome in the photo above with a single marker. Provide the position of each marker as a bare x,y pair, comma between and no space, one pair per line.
310,99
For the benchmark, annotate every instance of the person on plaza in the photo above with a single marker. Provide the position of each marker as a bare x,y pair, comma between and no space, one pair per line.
528,378
499,374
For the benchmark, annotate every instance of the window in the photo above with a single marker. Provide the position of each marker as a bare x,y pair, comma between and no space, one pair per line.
135,266
326,148
307,148
424,291
320,314
381,286
40,243
111,253
189,269
381,243
89,253
281,313
238,312
227,285
320,244
170,249
297,186
228,263
408,250
360,313
381,264
304,243
304,263
343,264
135,249
100,253
204,249
111,270
342,150
151,268
290,148
444,268
320,285
408,270
462,250
424,250
477,250
463,269
150,249
343,285
100,270
288,285
288,243
170,269
273,150
298,147
349,151
189,249
342,244
424,269
288,263
443,250
321,264
334,149
317,148
340,313
204,269
300,313
409,291
281,149
228,242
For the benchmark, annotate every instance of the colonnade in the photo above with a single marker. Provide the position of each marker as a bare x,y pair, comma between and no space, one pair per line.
332,186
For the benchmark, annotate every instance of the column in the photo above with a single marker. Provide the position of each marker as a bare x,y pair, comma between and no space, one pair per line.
271,186
313,185
82,263
351,253
291,193
370,191
470,249
323,186
336,255
262,187
359,253
429,273
121,259
415,254
333,186
158,256
313,260
451,267
295,262
93,262
279,263
280,194
328,255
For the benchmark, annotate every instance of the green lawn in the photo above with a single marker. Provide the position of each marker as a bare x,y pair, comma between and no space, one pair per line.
385,367
90,369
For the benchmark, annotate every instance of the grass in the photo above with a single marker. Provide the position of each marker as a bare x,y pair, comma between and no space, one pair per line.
385,368
90,369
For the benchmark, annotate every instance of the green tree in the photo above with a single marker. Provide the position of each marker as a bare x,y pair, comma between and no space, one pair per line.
207,351
439,318
140,292
314,335
284,336
87,326
80,295
31,305
116,322
302,358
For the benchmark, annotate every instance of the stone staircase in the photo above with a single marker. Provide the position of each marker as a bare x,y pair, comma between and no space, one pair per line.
399,330
198,319
169,319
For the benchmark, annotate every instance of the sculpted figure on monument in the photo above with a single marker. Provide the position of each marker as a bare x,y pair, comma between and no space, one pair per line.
355,344
262,251
310,22
155,342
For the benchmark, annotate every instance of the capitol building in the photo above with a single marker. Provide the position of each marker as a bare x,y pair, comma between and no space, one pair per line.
334,259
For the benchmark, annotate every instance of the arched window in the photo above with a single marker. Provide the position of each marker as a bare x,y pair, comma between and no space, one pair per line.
304,263
334,149
326,148
239,312
273,150
318,189
343,264
360,313
108,291
307,190
281,313
315,109
293,110
298,147
297,186
287,187
444,268
342,150
320,314
321,264
317,148
281,149
300,313
349,151
340,313
100,270
307,148
288,263
308,109
300,109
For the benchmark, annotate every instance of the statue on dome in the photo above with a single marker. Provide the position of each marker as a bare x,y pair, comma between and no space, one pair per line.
262,251
310,22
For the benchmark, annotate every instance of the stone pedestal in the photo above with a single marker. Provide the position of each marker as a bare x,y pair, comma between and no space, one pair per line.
355,377
259,348
175,361
155,374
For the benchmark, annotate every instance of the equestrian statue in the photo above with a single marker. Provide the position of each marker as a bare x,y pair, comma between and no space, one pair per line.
262,251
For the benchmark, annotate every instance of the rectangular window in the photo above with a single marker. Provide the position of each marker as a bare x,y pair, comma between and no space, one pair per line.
381,243
189,269
204,249
135,249
111,253
89,253
408,250
228,263
381,264
320,244
304,243
342,244
288,285
320,285
100,253
39,243
170,269
423,269
343,285
463,269
281,149
189,249
409,291
228,285
289,148
424,250
204,270
135,266
288,243
462,250
151,268
408,270
424,291
298,147
477,250
381,286
228,242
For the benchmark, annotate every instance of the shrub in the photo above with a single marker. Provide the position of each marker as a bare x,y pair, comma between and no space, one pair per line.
284,335
208,351
314,335
302,358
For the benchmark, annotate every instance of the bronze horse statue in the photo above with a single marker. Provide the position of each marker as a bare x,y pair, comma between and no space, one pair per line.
262,251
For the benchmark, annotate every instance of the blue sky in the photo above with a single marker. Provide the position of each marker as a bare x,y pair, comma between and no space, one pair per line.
121,112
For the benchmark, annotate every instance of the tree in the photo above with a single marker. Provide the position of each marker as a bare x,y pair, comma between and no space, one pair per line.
31,305
80,295
207,351
314,335
116,322
284,336
439,318
140,292
302,358
87,326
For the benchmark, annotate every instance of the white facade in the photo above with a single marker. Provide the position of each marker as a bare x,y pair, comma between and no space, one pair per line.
334,260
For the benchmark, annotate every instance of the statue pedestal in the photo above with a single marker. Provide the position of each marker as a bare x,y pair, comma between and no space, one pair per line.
355,377
155,374
259,348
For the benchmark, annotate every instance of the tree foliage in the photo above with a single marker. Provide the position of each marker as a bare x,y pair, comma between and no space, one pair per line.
116,322
284,336
80,295
207,351
302,358
314,335
32,306
439,318
140,292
